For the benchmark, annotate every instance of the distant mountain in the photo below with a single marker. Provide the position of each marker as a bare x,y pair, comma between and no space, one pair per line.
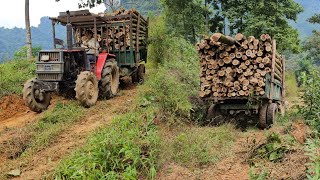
13,39
310,8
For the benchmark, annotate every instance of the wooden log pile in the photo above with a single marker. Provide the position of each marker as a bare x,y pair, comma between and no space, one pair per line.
126,29
237,67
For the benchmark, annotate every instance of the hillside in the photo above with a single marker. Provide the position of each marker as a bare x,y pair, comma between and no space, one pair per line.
310,7
13,39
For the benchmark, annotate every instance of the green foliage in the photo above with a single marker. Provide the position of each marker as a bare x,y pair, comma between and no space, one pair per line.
312,151
185,18
311,108
273,150
315,19
201,146
292,90
254,18
22,52
311,45
124,150
13,74
175,80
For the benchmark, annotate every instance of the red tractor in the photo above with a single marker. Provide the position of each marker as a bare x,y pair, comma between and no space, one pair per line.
72,69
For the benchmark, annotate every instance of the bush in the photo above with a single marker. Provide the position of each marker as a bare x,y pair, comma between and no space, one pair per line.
21,54
311,108
13,74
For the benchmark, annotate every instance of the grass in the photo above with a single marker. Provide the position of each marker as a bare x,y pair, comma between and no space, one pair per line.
53,122
40,134
13,74
124,150
197,146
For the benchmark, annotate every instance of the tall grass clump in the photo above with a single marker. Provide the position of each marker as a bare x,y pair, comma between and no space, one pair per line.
175,77
124,150
13,74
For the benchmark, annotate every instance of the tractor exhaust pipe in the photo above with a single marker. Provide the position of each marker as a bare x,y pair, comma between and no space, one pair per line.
69,32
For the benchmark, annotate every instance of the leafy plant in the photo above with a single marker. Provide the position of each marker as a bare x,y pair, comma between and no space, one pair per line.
272,150
313,151
311,108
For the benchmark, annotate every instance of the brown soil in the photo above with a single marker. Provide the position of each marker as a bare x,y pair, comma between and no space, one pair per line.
237,166
43,163
10,106
14,113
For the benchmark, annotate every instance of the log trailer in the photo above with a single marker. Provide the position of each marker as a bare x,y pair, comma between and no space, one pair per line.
122,53
242,76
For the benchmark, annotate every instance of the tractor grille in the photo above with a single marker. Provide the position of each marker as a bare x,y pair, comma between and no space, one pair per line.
49,77
53,56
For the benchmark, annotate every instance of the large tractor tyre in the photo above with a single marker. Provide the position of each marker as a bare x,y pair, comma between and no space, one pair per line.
110,79
263,116
141,73
87,89
36,100
272,113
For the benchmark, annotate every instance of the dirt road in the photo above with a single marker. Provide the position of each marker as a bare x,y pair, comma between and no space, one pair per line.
43,162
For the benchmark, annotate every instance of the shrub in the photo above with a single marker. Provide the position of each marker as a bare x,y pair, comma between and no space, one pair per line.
13,74
311,108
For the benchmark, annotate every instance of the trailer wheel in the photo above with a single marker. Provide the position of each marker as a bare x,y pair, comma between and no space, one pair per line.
263,116
212,111
141,73
36,100
87,89
110,79
272,113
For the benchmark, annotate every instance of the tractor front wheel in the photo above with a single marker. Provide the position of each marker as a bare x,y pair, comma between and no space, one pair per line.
110,79
87,89
34,98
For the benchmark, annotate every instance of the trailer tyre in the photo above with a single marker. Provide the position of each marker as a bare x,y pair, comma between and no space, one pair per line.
141,73
272,113
87,89
37,101
110,79
263,116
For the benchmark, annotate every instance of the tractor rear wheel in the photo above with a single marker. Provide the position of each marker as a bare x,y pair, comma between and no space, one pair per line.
87,89
272,113
110,79
263,116
36,100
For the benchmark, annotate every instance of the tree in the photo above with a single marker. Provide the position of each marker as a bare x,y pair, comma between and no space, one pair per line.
185,18
315,19
28,30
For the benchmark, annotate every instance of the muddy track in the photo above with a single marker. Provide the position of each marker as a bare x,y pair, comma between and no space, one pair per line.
43,162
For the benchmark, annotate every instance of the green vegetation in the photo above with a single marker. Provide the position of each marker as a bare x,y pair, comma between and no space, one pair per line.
197,146
53,122
22,52
13,74
124,150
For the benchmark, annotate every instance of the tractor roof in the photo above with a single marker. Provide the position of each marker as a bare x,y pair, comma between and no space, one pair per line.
79,18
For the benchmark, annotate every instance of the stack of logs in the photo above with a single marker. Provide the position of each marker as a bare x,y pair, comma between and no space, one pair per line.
121,37
236,67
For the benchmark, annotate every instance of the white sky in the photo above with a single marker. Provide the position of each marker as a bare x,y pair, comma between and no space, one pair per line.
12,12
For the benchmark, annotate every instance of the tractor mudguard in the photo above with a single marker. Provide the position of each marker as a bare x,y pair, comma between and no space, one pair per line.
102,58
